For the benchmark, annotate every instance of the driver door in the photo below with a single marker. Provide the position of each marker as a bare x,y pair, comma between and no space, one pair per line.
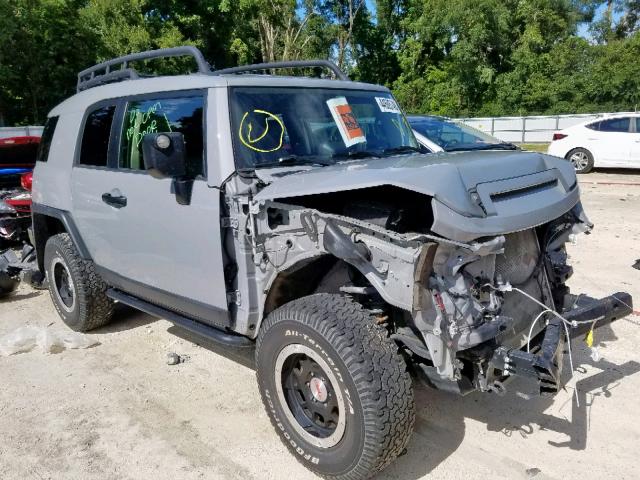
141,239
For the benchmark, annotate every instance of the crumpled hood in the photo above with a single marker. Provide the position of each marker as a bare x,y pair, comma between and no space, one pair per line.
450,178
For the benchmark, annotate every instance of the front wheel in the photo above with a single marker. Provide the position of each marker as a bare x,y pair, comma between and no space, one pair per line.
334,386
581,159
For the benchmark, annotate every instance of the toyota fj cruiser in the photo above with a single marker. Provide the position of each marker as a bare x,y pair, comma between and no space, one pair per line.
300,215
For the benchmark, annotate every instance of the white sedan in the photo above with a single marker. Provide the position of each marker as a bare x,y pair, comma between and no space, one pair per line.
612,141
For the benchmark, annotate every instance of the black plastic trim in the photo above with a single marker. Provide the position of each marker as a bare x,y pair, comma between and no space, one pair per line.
69,225
118,69
210,315
340,75
206,331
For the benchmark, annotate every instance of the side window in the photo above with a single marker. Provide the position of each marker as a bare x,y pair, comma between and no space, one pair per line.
95,138
183,114
615,125
594,126
47,137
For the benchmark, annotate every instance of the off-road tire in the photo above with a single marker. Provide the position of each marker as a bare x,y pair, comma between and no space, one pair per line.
585,165
92,308
380,420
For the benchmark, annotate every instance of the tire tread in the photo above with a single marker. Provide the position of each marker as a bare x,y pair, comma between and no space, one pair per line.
377,369
96,309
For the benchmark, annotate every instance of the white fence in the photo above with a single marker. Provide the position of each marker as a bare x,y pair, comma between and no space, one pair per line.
6,132
538,129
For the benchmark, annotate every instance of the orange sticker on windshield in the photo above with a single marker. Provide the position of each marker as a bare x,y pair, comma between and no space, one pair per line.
347,123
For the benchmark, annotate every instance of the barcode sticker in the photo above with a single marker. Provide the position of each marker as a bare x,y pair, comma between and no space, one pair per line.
388,105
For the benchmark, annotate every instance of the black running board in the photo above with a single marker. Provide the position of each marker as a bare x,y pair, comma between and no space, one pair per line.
193,326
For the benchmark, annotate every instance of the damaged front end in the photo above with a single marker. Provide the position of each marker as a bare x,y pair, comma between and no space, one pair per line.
470,308
468,315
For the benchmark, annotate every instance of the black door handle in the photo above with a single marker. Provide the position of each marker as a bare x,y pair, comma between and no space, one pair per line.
117,201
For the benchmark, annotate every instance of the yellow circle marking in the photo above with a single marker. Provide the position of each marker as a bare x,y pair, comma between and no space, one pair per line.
248,141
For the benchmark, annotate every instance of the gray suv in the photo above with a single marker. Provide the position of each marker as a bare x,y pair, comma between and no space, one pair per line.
300,216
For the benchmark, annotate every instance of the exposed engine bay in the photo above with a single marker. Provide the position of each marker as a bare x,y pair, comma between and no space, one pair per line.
466,314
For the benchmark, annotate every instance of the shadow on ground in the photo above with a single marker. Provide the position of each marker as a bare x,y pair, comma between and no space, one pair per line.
440,422
19,297
126,318
618,171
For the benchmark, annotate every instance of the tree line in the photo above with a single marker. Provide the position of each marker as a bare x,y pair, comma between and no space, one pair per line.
447,57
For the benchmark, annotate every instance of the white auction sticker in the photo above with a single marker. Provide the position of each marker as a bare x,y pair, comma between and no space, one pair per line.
347,123
388,105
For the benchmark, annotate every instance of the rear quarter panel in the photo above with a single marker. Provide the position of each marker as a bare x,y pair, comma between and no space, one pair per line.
52,179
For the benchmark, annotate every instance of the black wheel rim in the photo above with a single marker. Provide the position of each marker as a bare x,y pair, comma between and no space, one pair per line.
314,402
310,396
63,284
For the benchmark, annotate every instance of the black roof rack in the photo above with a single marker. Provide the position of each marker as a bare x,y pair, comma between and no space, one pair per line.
106,73
340,75
118,69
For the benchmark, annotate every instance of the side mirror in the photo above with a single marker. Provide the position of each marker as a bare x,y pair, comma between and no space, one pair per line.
164,154
164,157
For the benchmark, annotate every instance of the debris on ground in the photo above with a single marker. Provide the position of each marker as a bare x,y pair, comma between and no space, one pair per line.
25,339
532,472
637,264
174,359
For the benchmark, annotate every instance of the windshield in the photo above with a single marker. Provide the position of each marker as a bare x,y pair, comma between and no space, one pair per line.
452,136
288,126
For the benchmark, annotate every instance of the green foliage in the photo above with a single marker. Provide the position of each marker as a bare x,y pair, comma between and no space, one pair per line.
448,57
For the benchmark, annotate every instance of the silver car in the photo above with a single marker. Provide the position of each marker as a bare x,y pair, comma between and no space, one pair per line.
301,217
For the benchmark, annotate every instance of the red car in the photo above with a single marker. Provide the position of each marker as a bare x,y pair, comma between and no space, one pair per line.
17,159
17,156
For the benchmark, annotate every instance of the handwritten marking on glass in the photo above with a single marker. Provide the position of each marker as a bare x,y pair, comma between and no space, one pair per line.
249,142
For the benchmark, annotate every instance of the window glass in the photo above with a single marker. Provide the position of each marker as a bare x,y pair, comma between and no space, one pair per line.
451,135
593,126
95,139
184,115
47,137
615,125
279,125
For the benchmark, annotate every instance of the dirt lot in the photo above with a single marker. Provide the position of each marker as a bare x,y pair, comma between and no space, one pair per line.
118,411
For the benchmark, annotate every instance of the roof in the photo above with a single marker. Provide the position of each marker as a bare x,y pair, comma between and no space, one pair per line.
97,83
81,100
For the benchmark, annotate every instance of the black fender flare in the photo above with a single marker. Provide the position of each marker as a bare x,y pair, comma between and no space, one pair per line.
41,231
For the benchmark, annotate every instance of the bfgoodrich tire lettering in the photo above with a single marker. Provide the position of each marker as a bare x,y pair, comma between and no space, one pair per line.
77,291
370,376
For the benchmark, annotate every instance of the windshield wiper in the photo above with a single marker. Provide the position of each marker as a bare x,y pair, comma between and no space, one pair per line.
402,149
490,146
356,154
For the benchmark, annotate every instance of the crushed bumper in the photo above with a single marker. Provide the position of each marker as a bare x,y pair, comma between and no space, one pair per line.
545,363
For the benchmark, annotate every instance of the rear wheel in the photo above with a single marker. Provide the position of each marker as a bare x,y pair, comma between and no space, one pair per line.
582,160
78,293
334,386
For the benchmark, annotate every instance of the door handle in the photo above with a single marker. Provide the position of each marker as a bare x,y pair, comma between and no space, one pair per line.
117,201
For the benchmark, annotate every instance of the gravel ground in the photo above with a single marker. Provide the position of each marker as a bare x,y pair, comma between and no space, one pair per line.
118,411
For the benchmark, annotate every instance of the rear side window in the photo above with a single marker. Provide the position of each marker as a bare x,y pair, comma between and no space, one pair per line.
95,138
615,125
47,137
183,114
